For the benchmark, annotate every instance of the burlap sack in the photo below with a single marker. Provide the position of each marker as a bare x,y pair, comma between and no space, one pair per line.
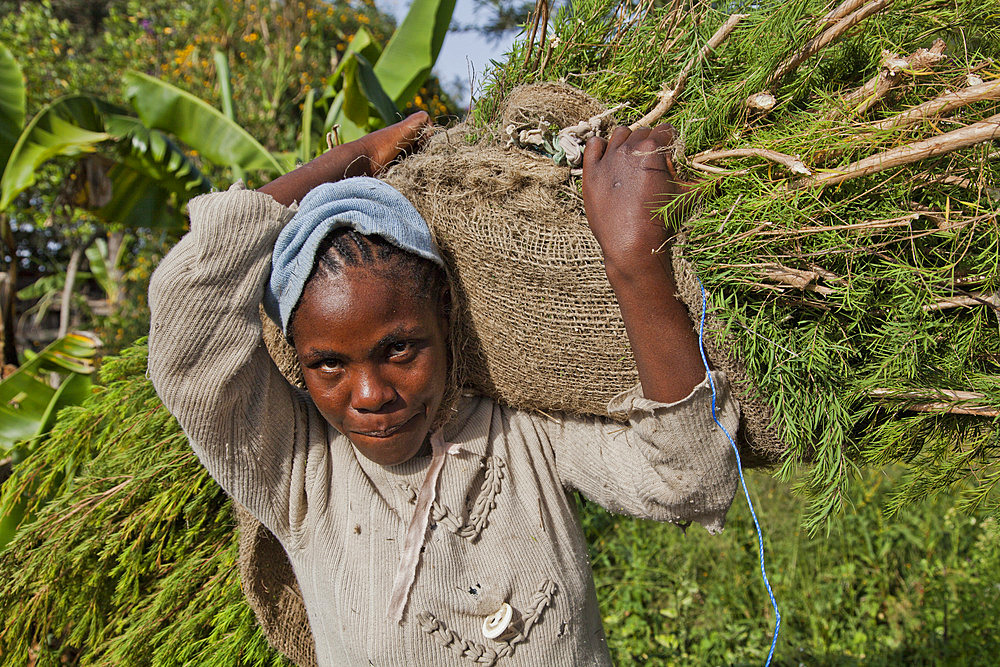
538,326
272,591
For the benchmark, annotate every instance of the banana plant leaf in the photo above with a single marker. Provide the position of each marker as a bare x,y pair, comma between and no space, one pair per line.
305,139
29,405
407,59
362,43
355,102
69,126
149,173
28,402
372,89
153,154
366,45
51,283
101,264
198,124
139,201
396,75
12,101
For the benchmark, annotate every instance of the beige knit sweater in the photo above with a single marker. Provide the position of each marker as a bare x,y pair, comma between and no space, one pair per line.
503,529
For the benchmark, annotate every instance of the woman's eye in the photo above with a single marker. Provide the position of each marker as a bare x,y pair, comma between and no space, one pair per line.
399,349
330,365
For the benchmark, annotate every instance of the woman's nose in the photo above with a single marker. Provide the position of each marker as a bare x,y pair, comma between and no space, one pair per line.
371,392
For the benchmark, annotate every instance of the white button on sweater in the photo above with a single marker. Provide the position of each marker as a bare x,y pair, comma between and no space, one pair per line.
502,530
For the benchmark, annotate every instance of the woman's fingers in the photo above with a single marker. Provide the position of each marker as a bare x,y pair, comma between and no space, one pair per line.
663,137
664,134
593,151
638,135
384,145
618,137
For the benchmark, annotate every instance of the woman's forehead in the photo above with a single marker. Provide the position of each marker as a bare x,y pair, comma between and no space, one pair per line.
359,302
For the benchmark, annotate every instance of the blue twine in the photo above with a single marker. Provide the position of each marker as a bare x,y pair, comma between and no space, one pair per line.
739,464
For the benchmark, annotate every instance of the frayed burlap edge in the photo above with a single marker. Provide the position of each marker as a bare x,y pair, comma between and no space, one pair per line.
272,591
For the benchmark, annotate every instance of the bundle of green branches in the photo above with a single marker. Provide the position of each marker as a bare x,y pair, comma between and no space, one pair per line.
134,559
847,229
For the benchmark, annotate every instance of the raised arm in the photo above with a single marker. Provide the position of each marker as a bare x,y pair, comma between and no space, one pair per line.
673,463
625,180
365,157
207,359
206,355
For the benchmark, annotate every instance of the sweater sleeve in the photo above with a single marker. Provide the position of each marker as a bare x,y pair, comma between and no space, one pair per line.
208,362
670,463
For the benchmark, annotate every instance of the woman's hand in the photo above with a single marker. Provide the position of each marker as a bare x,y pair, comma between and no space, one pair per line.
383,146
626,180
365,157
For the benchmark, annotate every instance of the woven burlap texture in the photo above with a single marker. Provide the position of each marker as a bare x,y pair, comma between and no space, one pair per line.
536,323
272,591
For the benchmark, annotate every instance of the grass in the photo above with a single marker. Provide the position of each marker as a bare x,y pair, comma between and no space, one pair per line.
919,588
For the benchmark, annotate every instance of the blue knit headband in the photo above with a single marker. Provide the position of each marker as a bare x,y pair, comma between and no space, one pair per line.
365,204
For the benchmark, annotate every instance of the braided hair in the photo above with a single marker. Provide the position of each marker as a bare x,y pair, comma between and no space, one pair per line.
347,247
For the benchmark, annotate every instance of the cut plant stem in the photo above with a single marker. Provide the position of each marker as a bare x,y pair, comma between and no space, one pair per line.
839,12
942,104
541,15
668,96
797,278
795,165
821,41
865,97
955,402
971,135
959,182
964,302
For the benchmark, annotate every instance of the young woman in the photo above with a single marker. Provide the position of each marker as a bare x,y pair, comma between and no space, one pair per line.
422,529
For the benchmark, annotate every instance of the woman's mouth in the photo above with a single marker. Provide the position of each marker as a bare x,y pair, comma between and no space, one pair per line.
385,432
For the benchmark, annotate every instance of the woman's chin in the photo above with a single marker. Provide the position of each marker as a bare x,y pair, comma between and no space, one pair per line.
394,450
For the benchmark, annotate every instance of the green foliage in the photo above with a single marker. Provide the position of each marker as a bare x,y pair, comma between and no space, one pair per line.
144,171
917,588
882,251
102,265
30,400
385,79
196,123
275,57
408,57
134,562
11,102
137,547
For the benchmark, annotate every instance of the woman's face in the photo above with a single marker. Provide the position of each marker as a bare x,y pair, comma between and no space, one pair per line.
374,357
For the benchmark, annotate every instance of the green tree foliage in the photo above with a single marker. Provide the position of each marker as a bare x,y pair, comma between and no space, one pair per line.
275,58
